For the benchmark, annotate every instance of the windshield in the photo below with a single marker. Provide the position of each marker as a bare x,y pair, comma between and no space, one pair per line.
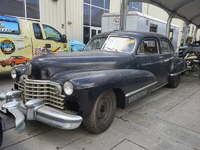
120,44
95,44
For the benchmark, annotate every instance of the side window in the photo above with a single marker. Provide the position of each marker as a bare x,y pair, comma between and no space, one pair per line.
51,33
37,31
148,46
166,46
9,27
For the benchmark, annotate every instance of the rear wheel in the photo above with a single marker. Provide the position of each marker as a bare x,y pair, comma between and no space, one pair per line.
12,64
102,114
3,65
173,83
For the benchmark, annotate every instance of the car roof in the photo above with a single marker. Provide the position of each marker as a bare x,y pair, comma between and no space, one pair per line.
136,34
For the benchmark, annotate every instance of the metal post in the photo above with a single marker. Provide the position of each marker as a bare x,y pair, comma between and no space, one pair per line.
186,33
169,20
195,34
123,13
25,9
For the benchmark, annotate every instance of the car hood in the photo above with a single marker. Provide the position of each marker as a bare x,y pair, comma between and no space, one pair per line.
46,66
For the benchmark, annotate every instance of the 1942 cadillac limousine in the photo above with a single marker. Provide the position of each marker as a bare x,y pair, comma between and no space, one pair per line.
114,70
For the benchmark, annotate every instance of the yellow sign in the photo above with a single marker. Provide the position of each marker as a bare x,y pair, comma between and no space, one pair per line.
132,41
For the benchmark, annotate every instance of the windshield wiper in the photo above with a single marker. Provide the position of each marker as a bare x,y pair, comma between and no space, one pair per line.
111,49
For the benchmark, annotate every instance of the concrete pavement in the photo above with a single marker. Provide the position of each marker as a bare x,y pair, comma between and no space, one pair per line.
167,119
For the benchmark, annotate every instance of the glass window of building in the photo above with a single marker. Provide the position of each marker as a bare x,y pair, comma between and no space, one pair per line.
99,3
96,16
33,9
86,15
17,8
135,6
107,4
87,1
13,8
93,11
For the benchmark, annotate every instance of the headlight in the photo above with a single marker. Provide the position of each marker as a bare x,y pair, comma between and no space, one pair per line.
14,74
68,88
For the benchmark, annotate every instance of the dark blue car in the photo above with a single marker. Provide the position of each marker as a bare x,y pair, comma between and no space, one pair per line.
113,70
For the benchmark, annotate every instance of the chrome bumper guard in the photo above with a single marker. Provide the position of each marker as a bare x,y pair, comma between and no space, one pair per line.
36,110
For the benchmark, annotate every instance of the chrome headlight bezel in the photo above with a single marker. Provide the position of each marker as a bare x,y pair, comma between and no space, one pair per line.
68,88
13,73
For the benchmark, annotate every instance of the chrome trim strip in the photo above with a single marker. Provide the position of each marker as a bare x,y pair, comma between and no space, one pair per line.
175,74
160,86
141,89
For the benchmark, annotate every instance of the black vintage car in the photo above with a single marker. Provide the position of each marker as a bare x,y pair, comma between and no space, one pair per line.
114,70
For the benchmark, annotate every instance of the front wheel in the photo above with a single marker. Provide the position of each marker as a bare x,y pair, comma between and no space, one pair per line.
102,114
174,83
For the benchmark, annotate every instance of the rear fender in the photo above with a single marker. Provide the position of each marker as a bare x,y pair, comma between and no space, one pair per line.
178,67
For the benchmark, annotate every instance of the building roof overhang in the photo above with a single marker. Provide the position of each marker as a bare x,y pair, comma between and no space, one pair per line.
186,10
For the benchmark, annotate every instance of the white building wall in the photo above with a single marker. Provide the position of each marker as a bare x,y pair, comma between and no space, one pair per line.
74,19
115,5
65,15
51,12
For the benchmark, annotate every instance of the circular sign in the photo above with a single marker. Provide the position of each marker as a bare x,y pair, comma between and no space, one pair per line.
116,20
7,46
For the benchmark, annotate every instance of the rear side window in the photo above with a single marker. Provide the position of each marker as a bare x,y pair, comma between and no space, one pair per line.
148,46
166,47
9,27
37,31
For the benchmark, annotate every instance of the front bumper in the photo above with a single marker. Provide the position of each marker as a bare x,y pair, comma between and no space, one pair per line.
36,110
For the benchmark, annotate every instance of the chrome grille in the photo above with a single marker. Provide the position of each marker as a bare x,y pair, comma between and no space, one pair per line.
44,89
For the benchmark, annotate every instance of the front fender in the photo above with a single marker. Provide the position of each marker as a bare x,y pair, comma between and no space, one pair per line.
89,85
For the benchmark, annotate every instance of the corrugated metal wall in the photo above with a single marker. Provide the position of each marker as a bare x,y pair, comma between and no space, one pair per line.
68,21
53,13
74,14
115,5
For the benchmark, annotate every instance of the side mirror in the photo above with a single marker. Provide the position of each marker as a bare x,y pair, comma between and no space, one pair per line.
64,38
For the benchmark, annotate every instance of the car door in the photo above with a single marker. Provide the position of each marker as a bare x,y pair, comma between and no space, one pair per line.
168,54
53,39
37,37
46,37
148,58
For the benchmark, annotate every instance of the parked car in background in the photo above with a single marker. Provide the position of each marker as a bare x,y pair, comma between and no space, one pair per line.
22,37
76,46
65,89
